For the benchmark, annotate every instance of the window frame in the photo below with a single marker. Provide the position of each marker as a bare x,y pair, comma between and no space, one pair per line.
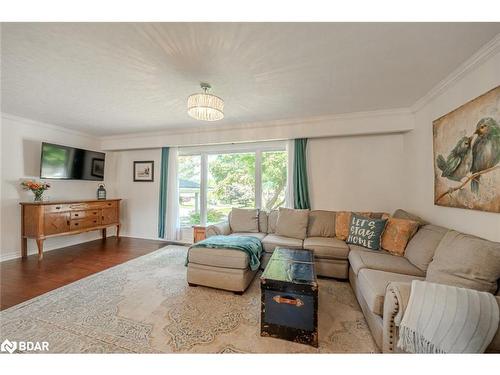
234,148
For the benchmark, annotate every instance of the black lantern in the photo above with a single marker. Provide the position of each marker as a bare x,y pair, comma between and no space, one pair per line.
101,192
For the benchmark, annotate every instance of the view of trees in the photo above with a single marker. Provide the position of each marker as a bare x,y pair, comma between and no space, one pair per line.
232,180
273,179
230,183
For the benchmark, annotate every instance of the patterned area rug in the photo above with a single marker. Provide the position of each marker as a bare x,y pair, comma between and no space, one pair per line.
146,306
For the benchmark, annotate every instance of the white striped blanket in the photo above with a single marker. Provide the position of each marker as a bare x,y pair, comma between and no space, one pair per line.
447,319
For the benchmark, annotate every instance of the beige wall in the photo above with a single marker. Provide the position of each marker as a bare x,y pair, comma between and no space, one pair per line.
419,154
139,214
356,173
20,158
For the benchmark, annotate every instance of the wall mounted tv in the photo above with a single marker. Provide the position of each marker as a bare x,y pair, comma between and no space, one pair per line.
69,163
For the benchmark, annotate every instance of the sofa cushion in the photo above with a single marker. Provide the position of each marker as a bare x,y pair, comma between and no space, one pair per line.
272,220
321,224
360,258
225,258
466,261
292,223
329,248
263,221
373,283
244,220
402,214
258,235
365,231
397,233
423,244
271,241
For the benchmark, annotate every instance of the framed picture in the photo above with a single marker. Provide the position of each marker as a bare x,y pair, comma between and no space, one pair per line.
97,167
144,171
467,155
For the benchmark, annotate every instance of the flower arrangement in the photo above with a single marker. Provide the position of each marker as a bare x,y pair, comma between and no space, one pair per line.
36,187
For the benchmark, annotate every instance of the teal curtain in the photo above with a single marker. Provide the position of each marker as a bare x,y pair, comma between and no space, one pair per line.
300,185
162,208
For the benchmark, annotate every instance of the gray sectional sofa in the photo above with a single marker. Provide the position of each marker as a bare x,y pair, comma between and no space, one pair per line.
381,281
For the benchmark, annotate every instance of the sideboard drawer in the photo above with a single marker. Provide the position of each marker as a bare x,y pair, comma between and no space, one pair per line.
106,204
83,223
52,208
85,214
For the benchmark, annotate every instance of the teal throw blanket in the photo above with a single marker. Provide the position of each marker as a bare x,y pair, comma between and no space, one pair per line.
250,245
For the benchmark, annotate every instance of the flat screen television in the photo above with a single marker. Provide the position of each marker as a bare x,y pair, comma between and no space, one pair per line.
70,163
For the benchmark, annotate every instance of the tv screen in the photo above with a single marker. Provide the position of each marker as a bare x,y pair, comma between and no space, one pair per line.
69,163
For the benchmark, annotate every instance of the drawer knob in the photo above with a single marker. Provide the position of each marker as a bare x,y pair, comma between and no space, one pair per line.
58,207
76,214
76,223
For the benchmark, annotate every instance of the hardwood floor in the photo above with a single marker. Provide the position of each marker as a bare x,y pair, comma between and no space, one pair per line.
21,279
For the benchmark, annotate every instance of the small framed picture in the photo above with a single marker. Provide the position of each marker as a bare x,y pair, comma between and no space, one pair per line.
97,167
144,171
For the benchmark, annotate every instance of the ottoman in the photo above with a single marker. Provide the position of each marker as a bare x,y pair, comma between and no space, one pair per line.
226,269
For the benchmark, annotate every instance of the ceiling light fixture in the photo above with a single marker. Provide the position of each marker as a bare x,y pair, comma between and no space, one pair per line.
205,106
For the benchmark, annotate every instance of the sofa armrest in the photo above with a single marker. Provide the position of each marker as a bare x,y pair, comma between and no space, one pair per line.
494,346
396,300
218,229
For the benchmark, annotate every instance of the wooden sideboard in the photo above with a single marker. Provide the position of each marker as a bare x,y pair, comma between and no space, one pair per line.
41,220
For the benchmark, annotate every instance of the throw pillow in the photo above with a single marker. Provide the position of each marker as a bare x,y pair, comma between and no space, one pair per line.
292,223
423,245
263,219
466,261
244,220
365,231
343,222
396,235
402,214
272,220
321,224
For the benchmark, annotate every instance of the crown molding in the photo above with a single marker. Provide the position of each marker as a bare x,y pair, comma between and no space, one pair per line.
483,54
45,125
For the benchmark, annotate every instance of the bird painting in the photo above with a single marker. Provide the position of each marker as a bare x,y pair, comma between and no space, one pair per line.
466,143
458,163
485,150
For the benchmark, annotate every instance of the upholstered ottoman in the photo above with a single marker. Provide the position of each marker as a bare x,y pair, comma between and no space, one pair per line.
226,269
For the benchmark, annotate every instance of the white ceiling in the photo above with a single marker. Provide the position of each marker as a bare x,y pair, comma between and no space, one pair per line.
114,78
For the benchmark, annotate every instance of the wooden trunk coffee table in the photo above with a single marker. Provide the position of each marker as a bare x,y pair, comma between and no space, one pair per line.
289,297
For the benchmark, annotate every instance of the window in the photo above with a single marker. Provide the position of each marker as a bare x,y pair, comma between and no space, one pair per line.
231,183
212,180
189,190
273,179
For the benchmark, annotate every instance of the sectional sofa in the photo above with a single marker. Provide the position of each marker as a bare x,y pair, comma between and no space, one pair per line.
381,281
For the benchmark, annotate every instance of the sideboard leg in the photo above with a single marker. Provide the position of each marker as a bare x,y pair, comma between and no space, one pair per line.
39,243
118,231
103,233
24,247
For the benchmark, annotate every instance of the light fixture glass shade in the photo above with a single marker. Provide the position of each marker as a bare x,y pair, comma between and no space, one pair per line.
205,106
